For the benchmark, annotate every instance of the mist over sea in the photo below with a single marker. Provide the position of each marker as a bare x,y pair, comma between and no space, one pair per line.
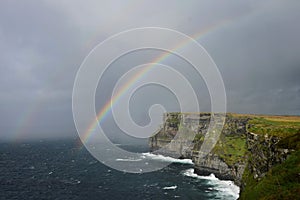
63,170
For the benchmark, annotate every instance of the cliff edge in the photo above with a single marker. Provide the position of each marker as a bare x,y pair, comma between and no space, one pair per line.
246,151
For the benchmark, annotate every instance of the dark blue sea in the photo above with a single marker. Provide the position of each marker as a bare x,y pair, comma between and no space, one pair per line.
63,170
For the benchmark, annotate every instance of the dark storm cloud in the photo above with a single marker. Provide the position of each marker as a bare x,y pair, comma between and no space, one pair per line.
42,44
261,58
37,68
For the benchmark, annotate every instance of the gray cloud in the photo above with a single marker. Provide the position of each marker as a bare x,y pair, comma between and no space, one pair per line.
256,46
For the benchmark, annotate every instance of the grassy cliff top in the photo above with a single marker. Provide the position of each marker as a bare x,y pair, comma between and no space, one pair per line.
273,125
281,126
294,118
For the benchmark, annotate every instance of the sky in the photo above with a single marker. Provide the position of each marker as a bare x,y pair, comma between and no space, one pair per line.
255,44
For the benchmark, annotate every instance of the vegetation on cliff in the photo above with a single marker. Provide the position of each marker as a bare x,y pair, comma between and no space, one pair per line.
281,181
261,153
231,146
231,149
276,126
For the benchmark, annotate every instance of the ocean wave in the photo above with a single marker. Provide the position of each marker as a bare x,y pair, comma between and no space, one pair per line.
226,188
150,156
170,187
128,159
167,159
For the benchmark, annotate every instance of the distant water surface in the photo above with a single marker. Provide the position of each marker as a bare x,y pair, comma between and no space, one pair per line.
61,170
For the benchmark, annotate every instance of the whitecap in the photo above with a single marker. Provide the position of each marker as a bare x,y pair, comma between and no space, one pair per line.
128,159
168,159
226,189
170,187
93,162
31,167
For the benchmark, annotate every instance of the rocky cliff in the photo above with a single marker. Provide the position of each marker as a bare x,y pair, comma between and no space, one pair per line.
241,150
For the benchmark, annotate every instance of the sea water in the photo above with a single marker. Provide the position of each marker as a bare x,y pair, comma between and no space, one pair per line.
63,170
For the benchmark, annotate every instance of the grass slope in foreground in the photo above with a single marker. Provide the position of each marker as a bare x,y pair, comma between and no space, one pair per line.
283,180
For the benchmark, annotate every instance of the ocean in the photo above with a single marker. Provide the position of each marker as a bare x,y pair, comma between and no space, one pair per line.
63,170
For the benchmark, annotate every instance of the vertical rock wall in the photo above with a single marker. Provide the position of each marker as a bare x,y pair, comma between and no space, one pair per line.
182,134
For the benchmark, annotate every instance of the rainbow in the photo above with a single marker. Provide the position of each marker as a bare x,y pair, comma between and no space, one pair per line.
24,123
26,119
109,104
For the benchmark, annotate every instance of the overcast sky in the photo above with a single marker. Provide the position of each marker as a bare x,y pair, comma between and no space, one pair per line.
255,44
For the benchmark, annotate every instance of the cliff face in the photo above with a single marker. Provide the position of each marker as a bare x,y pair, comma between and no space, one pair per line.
272,170
236,151
264,153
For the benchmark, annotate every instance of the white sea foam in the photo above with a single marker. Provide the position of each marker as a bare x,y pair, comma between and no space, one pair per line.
170,187
227,189
128,159
151,156
167,158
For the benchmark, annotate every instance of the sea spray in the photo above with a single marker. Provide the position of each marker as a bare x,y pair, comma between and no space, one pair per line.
227,189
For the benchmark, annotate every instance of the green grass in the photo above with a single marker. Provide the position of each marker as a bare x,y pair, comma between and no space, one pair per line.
274,127
231,149
174,120
281,182
290,142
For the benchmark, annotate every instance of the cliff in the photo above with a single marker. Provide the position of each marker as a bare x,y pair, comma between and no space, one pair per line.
246,150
